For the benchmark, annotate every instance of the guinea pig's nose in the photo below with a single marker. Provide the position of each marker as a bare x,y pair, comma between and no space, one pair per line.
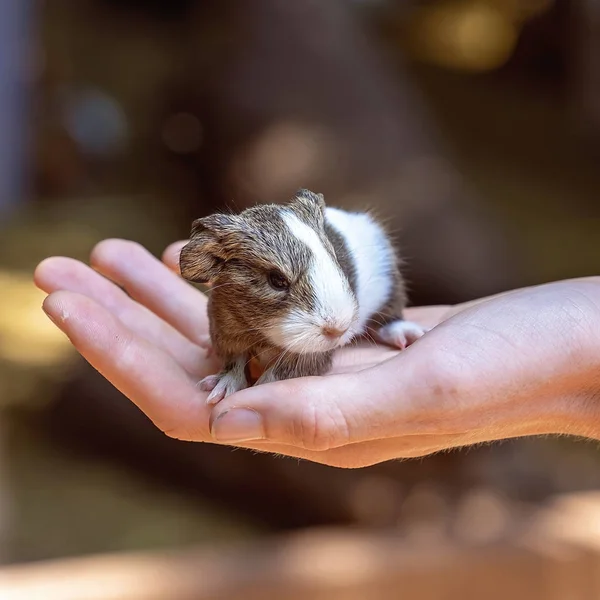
333,331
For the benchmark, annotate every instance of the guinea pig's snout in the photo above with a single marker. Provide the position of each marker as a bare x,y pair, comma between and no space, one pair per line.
333,331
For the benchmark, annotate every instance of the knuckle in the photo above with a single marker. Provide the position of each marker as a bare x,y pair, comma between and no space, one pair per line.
322,426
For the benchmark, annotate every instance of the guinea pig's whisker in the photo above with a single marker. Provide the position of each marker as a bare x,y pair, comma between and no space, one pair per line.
371,339
299,346
256,356
304,347
280,359
377,322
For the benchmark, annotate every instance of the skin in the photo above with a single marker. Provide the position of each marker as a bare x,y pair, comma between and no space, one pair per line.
519,364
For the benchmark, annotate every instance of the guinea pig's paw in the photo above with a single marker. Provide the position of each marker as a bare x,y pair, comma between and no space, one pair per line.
400,334
208,383
222,385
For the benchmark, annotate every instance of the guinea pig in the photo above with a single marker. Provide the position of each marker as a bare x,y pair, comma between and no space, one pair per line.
290,284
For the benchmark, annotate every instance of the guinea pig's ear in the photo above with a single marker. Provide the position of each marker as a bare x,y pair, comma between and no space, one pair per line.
310,202
217,224
203,256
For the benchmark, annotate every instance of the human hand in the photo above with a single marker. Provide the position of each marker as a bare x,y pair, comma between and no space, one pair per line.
522,363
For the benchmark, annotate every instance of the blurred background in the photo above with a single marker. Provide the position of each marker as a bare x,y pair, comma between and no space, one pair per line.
473,125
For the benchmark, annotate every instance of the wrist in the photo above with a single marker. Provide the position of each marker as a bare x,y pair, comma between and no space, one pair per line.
563,397
580,401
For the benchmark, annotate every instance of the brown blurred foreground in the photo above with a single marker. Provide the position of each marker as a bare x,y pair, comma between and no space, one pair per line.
551,554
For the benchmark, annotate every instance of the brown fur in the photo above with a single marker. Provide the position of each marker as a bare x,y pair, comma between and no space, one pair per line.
235,253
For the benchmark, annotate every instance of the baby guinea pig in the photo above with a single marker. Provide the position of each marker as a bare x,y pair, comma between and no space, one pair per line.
290,284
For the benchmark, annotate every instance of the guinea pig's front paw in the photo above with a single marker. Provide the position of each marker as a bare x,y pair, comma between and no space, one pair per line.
222,385
208,383
400,334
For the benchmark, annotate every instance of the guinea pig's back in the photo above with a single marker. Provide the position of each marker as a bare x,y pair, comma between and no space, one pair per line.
372,256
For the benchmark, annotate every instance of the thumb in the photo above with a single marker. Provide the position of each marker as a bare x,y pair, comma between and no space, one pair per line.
321,413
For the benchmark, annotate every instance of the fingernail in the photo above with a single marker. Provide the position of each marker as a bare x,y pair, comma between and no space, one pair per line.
238,425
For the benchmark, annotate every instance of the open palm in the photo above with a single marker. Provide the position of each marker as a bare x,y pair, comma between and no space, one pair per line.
146,330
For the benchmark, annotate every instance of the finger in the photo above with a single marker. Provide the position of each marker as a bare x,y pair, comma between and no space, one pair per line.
152,284
165,393
59,273
427,316
146,375
321,413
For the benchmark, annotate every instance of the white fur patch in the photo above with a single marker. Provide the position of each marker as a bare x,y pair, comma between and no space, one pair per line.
300,332
400,334
332,291
372,254
335,302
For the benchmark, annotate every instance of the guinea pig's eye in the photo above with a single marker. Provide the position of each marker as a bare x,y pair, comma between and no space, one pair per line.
278,281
